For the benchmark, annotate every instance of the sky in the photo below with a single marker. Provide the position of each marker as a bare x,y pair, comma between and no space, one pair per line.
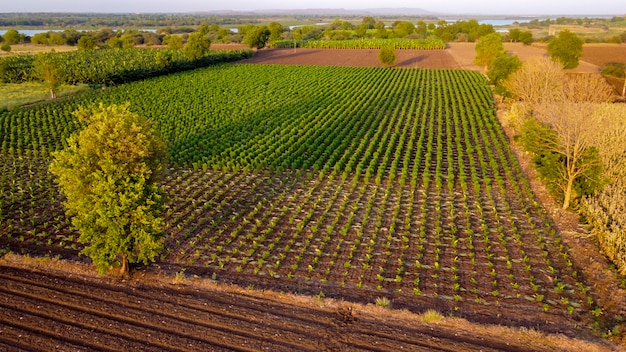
514,7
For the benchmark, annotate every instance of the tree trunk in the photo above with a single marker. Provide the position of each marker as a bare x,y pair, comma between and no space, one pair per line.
53,94
567,196
624,88
124,271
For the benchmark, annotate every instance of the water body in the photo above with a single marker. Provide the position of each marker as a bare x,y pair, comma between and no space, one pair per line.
32,32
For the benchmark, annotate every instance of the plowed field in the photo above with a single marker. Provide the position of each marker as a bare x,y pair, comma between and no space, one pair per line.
46,311
353,58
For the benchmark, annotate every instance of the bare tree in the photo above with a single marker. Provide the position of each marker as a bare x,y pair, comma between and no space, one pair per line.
586,87
573,118
576,129
539,79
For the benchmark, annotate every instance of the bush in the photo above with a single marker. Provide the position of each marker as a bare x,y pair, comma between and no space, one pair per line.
615,70
387,56
5,47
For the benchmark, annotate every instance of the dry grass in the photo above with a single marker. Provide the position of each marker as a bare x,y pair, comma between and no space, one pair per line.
37,48
18,94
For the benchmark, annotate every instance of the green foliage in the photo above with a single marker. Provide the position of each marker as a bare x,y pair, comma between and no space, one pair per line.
488,48
87,42
49,71
501,67
174,41
6,47
276,29
13,37
198,46
256,37
397,43
471,29
387,56
615,70
538,138
112,66
109,174
526,37
566,49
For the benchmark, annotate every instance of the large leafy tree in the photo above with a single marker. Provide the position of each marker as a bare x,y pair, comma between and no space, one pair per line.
487,49
566,49
501,68
109,174
13,37
256,37
198,45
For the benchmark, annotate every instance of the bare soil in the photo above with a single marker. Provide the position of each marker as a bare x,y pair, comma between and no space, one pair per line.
46,309
353,57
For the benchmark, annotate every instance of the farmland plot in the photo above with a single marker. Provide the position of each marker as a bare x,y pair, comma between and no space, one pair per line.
355,183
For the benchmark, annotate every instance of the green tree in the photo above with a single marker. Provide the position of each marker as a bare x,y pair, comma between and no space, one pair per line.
369,22
256,37
403,28
566,49
514,34
381,31
108,174
198,45
276,29
5,47
487,49
12,37
387,56
526,37
49,71
501,67
87,42
174,41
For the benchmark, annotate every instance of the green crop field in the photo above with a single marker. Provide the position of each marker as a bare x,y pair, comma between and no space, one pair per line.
354,182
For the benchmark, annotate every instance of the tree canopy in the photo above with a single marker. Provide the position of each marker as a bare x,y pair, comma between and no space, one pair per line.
487,49
566,49
198,45
256,37
108,174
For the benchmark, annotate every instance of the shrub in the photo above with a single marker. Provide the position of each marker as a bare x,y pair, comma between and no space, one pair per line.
387,56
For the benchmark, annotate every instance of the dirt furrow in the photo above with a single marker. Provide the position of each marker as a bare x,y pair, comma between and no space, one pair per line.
103,334
225,305
175,320
14,339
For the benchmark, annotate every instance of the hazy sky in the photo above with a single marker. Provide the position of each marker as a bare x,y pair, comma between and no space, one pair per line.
518,7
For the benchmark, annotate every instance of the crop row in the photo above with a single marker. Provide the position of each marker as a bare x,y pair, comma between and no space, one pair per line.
397,43
391,182
113,65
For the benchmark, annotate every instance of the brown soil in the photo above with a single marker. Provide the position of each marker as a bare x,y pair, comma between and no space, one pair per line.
604,54
47,309
353,57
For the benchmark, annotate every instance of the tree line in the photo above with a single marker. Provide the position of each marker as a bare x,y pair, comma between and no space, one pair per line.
571,128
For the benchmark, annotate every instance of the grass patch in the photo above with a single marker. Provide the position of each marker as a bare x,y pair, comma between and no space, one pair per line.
431,316
18,94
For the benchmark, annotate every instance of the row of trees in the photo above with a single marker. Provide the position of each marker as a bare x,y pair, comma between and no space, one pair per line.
566,49
576,136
